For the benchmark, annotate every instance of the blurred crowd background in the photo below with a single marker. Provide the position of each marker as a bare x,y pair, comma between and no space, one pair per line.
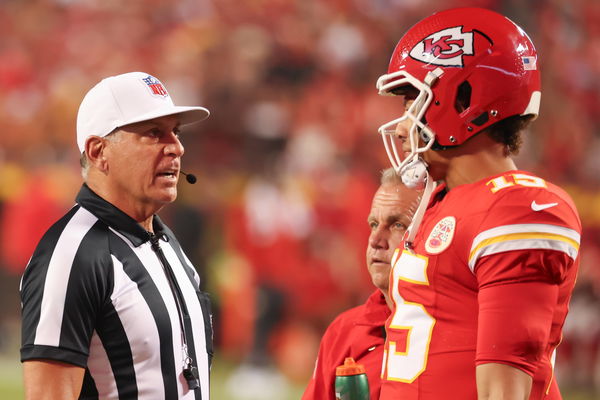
287,162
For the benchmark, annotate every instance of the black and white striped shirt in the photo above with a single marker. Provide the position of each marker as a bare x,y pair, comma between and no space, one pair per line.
95,294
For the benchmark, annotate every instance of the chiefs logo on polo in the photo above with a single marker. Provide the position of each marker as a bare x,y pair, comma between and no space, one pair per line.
445,48
155,86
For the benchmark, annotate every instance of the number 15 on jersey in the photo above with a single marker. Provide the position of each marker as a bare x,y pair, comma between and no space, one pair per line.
411,326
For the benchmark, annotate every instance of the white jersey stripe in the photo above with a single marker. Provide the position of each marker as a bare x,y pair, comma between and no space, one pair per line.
523,237
155,269
138,322
494,247
100,370
191,266
525,228
194,309
57,279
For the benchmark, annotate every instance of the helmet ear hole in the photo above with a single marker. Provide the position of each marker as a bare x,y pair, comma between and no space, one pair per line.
463,97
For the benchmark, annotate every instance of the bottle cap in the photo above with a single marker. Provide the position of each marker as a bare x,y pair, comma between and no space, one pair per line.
350,367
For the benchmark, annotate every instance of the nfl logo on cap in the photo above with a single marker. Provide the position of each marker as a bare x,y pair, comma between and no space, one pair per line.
124,99
156,88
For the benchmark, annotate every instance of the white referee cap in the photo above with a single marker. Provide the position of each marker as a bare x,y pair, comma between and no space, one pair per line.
125,99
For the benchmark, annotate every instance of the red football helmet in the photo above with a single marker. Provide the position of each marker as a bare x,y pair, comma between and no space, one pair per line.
478,53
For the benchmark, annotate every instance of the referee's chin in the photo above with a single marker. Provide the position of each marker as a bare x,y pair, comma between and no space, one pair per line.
162,196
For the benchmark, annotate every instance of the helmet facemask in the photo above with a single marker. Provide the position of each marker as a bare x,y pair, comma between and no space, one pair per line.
405,165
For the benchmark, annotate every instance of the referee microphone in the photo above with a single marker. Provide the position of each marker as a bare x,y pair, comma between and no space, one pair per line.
191,178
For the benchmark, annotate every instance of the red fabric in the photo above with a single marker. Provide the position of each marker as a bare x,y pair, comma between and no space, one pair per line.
23,222
509,308
518,338
305,268
285,263
356,333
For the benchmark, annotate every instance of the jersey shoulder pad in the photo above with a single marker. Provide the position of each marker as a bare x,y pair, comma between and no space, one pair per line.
527,213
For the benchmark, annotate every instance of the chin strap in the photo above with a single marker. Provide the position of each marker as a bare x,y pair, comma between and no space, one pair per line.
411,231
414,174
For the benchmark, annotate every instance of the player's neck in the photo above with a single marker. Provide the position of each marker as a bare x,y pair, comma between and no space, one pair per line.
479,159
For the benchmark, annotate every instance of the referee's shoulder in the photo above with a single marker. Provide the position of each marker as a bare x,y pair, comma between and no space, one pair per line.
77,230
73,247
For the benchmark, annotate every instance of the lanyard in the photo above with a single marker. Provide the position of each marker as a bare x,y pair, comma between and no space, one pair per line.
190,372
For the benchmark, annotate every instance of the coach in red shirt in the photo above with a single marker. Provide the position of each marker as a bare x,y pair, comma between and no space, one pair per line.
360,331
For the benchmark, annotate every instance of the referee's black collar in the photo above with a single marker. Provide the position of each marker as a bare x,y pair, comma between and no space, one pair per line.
117,219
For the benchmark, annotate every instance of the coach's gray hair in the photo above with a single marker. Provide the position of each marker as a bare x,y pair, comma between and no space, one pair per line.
390,176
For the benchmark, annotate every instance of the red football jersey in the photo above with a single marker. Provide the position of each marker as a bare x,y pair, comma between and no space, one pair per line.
489,279
357,333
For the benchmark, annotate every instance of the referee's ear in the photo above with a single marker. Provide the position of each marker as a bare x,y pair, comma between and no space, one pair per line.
94,150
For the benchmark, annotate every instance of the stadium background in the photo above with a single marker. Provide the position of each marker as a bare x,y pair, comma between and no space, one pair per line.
287,162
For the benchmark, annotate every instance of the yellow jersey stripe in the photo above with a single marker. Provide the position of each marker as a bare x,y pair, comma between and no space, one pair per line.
516,228
567,246
524,235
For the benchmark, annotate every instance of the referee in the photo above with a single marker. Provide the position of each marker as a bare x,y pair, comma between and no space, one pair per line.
111,305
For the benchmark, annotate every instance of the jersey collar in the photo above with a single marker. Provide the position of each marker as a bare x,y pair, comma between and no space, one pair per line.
117,219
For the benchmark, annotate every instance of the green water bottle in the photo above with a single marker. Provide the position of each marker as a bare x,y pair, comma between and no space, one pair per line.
351,381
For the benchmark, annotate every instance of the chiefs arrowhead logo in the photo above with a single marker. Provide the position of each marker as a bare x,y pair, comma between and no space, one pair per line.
445,48
441,235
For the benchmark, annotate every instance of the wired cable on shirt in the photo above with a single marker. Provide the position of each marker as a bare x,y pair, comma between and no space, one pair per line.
190,372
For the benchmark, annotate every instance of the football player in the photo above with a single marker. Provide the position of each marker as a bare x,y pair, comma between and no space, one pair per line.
481,285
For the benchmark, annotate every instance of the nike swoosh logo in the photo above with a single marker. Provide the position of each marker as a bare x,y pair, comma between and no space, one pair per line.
539,207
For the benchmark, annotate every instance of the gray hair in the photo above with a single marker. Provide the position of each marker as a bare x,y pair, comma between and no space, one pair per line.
390,176
83,160
85,166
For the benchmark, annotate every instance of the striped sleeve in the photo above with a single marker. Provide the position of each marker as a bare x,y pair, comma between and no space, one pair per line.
524,237
58,302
